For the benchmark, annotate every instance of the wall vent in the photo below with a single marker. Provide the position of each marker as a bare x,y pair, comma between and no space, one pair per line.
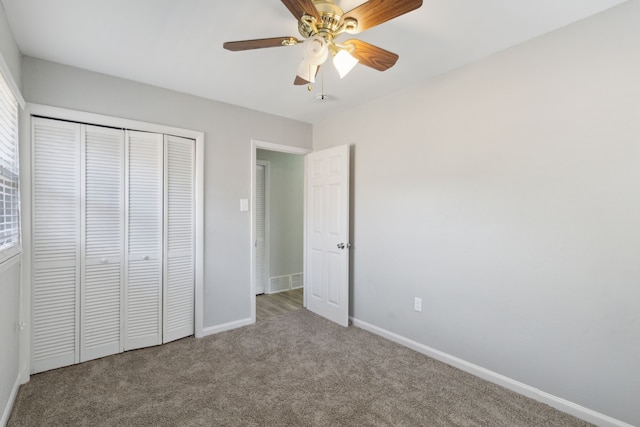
296,281
285,283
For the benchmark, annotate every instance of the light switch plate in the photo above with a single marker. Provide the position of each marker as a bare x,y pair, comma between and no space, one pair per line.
244,205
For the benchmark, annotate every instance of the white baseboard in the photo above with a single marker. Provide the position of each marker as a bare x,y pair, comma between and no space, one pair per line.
281,291
9,406
210,330
511,384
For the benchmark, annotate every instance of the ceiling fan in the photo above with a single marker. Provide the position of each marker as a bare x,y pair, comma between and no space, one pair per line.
320,22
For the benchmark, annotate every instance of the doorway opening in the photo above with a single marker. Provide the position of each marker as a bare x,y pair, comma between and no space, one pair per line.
271,305
277,238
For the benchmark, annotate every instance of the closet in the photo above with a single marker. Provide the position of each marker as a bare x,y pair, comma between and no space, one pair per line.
113,241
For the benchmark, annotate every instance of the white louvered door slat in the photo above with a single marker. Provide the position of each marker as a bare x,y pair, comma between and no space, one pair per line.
103,230
179,238
144,212
56,244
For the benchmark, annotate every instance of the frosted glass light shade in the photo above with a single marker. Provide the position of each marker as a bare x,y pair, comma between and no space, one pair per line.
315,50
307,71
344,62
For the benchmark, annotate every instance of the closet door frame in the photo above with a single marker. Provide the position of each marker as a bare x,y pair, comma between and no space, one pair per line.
26,170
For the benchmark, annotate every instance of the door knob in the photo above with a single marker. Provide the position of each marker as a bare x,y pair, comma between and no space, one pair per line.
343,245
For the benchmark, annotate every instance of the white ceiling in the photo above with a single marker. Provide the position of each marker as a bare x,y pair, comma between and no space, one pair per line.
178,44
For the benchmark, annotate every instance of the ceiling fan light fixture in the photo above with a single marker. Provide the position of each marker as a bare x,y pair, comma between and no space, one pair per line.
316,50
321,22
344,62
307,71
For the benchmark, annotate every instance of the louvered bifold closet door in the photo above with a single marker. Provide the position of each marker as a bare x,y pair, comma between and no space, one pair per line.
261,230
103,230
144,246
179,238
55,287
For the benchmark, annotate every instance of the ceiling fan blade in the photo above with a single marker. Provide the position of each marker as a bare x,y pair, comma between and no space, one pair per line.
299,81
260,43
375,12
298,8
372,56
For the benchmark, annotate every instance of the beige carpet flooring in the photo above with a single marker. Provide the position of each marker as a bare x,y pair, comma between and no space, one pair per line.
296,369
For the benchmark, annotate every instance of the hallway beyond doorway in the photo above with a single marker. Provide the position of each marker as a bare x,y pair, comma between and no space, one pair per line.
276,304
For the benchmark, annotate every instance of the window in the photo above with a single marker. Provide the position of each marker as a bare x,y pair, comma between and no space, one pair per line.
9,197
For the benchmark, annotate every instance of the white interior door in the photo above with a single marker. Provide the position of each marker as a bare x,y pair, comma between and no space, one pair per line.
102,267
55,287
144,246
113,241
179,238
261,227
327,234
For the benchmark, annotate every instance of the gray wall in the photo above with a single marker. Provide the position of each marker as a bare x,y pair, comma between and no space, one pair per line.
506,196
9,49
9,333
286,212
9,273
228,133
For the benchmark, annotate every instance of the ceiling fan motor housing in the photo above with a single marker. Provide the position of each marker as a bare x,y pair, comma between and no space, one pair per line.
331,23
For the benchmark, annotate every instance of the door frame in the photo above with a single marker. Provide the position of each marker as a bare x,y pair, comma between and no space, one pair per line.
264,145
266,164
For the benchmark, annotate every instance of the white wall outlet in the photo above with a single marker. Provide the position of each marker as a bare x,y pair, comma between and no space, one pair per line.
417,304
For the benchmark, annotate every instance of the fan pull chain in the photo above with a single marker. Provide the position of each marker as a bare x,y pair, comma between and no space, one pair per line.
310,87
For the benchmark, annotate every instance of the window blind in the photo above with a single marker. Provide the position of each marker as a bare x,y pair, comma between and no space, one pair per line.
9,174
